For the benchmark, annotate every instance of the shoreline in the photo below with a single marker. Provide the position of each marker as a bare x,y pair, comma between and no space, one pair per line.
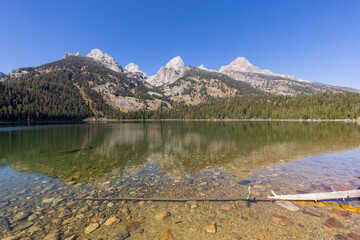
223,120
104,120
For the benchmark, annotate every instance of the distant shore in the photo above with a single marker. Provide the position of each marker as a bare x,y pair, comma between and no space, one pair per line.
104,120
222,120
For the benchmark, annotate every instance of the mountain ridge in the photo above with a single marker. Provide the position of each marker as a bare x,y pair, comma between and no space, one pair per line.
108,89
242,70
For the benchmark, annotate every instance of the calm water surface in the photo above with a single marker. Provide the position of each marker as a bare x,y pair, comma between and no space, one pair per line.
43,168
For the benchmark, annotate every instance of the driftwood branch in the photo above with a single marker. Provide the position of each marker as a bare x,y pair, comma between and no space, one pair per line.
292,197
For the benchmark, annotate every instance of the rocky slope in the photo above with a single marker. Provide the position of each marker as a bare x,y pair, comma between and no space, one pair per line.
168,74
100,87
196,86
105,59
191,85
2,75
107,88
242,70
134,69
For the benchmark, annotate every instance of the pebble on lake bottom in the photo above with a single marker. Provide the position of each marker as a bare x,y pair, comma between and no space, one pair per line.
211,228
281,220
333,223
91,228
166,235
111,220
162,215
287,205
132,226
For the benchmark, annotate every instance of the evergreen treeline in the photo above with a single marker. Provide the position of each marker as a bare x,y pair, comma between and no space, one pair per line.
49,96
314,106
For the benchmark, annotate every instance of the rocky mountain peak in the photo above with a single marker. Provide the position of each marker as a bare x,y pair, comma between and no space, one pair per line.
241,64
132,67
202,67
72,54
175,63
172,71
105,59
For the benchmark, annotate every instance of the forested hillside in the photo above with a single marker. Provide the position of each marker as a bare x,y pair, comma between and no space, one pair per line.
49,96
315,106
76,88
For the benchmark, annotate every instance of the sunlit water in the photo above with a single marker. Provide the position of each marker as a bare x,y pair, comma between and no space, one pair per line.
43,168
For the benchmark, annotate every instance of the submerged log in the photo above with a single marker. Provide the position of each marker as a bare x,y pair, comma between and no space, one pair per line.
292,197
317,196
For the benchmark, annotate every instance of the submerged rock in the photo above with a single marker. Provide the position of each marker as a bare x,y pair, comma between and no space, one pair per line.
211,228
48,200
132,226
287,205
91,228
333,223
340,214
21,216
122,236
52,236
226,207
69,220
162,215
33,217
281,220
312,213
167,235
340,237
353,236
10,238
72,237
5,223
111,220
126,211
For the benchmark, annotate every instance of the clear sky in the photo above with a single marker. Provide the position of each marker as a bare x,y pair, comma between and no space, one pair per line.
311,39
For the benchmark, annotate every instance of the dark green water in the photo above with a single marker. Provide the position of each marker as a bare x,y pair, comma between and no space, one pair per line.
82,153
169,159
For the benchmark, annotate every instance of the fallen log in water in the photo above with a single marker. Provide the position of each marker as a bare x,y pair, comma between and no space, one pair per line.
292,197
317,196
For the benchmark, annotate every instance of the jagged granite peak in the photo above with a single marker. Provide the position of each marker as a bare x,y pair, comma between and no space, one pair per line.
175,63
72,54
105,59
243,65
168,74
202,67
2,75
134,69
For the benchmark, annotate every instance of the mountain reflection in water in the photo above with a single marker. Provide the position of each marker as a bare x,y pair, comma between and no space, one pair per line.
85,152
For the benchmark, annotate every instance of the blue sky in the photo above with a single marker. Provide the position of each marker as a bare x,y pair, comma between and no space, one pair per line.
311,39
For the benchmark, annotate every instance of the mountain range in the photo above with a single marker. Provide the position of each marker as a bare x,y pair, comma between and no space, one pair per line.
104,85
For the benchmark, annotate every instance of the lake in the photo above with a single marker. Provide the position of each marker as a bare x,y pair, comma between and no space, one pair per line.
43,168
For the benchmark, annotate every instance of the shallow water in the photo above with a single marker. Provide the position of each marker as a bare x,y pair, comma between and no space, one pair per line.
42,168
